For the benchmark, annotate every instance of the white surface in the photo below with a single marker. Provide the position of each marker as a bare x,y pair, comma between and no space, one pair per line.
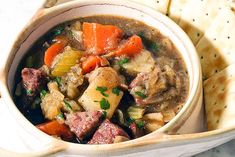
14,14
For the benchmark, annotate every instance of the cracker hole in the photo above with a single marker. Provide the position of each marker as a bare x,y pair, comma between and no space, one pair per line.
201,57
186,72
213,86
214,39
228,37
216,71
157,1
225,106
193,20
207,14
217,121
223,89
227,21
215,55
215,103
198,34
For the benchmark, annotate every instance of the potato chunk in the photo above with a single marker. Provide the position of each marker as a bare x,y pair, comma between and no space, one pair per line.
102,77
52,102
153,121
142,62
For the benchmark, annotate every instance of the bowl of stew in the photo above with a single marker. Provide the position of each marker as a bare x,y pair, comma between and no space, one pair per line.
91,76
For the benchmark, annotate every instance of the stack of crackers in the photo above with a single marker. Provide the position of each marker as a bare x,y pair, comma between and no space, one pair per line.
210,24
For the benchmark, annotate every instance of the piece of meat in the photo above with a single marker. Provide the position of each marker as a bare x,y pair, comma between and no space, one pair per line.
33,80
107,133
157,86
83,124
136,132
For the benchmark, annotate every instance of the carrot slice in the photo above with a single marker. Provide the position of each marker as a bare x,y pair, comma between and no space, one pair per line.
131,47
54,128
92,62
99,39
51,52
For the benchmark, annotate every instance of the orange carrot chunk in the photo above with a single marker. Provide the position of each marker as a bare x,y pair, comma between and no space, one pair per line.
92,62
131,47
99,39
54,128
53,51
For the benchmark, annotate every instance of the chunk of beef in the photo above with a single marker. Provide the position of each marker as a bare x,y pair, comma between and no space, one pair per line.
107,133
157,86
33,80
136,132
83,124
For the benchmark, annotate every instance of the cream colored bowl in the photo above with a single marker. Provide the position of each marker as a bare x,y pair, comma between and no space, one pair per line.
188,120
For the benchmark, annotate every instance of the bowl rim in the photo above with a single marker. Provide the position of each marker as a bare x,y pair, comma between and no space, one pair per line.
11,55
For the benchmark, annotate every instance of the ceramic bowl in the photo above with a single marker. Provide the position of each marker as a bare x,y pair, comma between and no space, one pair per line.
188,120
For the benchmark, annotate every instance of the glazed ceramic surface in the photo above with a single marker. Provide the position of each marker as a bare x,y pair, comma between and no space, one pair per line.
189,120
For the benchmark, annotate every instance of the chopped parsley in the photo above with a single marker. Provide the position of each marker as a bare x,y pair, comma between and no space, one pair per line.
104,104
130,120
29,92
102,90
58,30
116,91
140,124
68,106
43,93
104,114
140,94
58,80
60,116
123,61
150,45
154,47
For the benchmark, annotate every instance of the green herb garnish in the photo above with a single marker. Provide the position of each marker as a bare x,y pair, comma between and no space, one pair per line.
140,94
102,90
60,116
154,47
149,44
29,92
68,106
140,124
116,91
104,104
58,30
104,114
123,61
130,120
43,93
58,80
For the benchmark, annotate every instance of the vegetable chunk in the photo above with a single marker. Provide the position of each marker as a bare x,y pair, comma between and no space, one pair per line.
52,52
54,128
66,61
99,39
131,47
93,99
92,62
142,62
